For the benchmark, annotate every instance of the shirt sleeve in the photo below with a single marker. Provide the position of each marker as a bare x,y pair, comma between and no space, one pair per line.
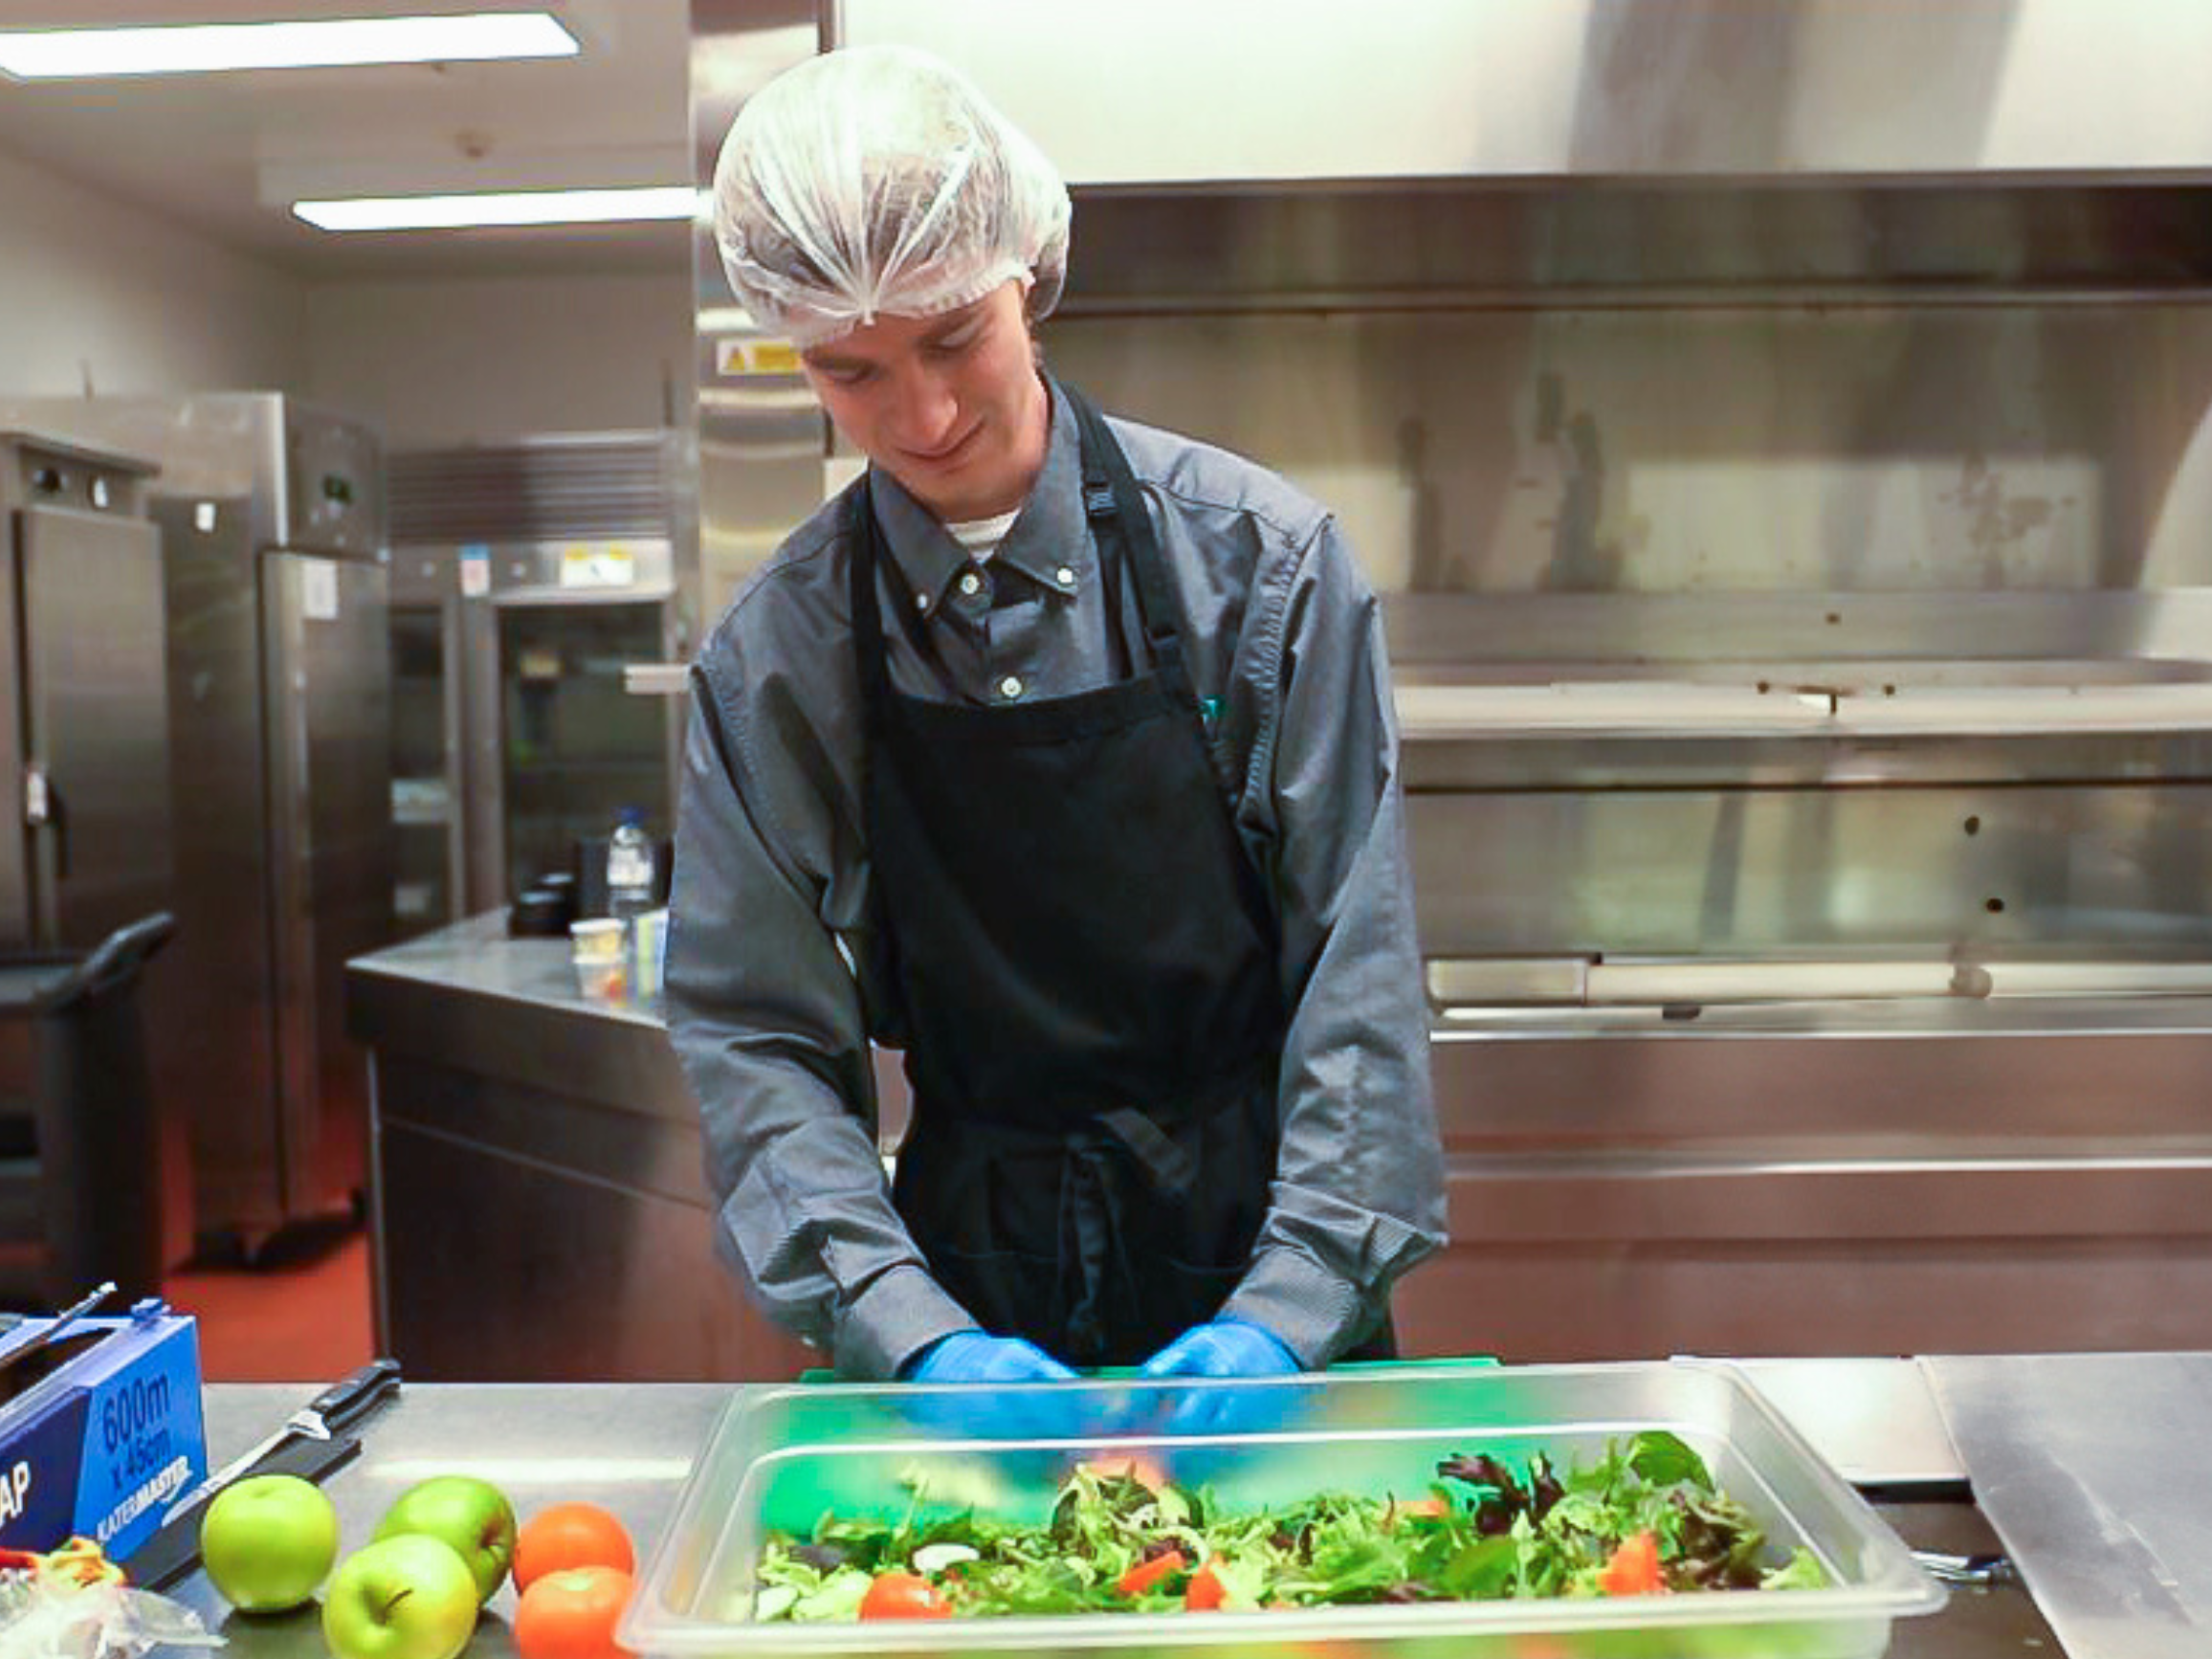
768,1022
1358,1195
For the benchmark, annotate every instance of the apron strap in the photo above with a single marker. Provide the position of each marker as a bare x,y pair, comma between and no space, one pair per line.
1118,513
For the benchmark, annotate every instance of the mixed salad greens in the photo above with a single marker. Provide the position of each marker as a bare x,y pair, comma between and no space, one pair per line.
1646,1518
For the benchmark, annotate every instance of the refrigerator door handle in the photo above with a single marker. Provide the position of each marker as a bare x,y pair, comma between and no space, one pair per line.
42,809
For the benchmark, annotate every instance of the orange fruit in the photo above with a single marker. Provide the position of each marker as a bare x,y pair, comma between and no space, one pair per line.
570,1534
570,1614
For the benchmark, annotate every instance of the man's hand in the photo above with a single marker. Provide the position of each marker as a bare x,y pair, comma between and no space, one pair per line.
972,1357
1224,1348
975,1386
1228,1349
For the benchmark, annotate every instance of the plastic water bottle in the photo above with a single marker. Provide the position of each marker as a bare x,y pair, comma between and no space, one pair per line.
630,867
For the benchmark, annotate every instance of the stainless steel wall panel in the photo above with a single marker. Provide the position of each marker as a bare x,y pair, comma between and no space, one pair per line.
1748,872
1969,1178
763,440
1876,450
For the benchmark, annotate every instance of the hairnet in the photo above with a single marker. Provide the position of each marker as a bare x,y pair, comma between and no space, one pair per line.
877,180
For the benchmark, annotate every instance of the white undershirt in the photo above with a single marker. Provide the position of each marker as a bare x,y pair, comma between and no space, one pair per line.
981,536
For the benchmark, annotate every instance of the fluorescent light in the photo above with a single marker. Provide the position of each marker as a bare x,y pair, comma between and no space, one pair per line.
503,207
193,49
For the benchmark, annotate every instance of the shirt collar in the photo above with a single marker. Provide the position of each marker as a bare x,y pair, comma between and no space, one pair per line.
1050,534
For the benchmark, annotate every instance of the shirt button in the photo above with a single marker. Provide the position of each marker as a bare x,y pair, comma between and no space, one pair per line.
922,602
1063,576
1010,688
971,583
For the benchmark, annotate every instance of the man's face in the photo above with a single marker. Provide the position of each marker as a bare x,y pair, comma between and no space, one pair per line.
951,405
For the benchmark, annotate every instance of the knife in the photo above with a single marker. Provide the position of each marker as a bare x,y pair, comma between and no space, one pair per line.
58,1326
343,1403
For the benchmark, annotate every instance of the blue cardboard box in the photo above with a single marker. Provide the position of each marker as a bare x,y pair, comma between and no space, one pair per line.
101,1445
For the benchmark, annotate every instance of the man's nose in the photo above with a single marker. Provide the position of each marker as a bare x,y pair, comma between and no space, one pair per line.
928,411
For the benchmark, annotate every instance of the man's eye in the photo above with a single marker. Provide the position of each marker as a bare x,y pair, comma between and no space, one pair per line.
953,345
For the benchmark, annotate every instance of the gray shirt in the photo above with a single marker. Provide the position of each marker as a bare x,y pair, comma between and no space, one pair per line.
775,983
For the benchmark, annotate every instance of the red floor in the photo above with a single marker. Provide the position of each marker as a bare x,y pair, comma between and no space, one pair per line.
301,1316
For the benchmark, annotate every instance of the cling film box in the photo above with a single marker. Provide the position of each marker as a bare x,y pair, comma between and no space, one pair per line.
100,1429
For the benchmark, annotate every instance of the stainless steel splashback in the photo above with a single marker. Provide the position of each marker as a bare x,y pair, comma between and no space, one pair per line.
1874,623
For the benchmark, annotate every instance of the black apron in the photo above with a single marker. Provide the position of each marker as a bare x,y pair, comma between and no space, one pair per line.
1087,963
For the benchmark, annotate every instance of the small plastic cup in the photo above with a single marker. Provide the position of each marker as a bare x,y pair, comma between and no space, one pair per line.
597,947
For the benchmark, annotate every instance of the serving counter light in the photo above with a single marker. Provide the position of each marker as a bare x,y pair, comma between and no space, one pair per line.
198,48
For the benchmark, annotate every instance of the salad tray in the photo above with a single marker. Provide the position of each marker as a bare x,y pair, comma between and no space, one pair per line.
781,1457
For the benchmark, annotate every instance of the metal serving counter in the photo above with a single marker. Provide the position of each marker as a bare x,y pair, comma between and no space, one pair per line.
2088,1469
2002,1174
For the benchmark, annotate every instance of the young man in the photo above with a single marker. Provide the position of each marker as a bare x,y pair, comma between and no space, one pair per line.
1057,752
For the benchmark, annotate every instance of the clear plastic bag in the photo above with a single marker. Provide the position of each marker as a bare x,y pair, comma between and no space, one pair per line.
46,1616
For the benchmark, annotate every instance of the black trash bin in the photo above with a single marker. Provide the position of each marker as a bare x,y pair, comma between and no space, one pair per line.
80,1189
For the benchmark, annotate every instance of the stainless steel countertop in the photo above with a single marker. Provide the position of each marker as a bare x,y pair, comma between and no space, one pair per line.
478,960
2092,1468
627,1447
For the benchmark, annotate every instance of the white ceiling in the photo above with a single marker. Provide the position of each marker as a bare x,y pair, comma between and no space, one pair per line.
226,154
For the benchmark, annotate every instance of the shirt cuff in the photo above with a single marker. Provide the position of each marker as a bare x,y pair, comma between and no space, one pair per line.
894,1318
1314,1312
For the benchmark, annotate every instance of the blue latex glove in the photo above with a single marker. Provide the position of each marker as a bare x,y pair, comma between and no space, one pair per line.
973,1356
1224,1348
973,1386
1228,1348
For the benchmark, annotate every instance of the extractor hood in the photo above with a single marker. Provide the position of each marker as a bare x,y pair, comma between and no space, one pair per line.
1441,153
1162,92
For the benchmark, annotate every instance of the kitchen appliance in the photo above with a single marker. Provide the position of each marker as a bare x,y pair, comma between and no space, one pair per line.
527,577
272,531
83,744
86,842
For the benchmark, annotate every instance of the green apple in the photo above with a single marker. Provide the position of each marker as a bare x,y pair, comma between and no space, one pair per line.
268,1541
409,1597
471,1516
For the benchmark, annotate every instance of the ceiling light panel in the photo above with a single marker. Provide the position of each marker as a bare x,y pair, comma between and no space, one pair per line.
199,49
481,209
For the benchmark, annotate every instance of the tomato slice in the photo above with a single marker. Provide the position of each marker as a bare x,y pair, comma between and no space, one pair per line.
903,1595
1205,1591
1146,1574
1634,1569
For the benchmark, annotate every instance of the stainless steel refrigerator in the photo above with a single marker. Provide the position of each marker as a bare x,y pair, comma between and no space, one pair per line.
83,747
85,844
527,578
272,523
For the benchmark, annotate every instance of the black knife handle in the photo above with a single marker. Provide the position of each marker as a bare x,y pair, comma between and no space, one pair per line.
173,1551
347,1401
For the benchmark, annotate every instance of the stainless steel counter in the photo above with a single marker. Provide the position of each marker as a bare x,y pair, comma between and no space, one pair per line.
549,1144
2091,1469
2016,1174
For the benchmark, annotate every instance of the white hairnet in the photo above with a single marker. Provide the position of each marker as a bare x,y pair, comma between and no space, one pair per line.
877,180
